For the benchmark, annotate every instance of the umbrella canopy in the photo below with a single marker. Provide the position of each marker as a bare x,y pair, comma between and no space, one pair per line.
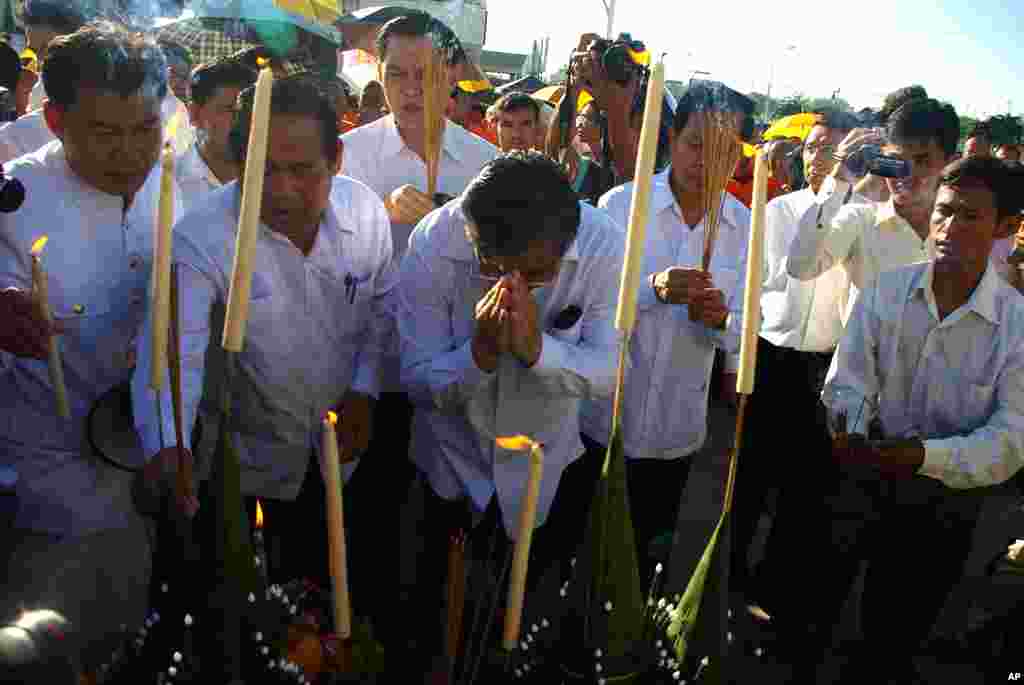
793,126
7,14
315,16
552,94
210,39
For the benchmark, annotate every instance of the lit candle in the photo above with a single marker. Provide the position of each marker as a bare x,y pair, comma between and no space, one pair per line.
647,151
752,290
237,313
336,528
259,544
521,555
161,290
40,290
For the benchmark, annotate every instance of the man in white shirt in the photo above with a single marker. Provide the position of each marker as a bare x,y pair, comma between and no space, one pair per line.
388,156
928,384
505,306
78,545
800,327
316,322
208,163
683,315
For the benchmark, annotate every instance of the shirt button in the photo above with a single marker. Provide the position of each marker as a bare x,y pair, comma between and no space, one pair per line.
78,309
136,299
134,262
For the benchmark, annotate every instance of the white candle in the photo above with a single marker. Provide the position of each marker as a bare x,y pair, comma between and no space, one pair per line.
647,151
336,528
237,314
752,291
521,555
40,290
161,290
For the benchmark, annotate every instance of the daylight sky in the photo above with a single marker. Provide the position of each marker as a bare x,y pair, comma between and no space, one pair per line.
969,52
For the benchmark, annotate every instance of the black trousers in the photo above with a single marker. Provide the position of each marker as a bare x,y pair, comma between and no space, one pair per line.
786,448
553,545
915,536
655,488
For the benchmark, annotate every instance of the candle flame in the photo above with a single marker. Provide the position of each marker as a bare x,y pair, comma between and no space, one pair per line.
332,419
515,442
172,127
39,244
259,515
262,62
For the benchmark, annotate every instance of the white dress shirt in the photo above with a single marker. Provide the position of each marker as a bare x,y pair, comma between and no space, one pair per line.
195,178
377,155
97,263
314,331
866,239
460,409
664,410
25,134
957,384
804,315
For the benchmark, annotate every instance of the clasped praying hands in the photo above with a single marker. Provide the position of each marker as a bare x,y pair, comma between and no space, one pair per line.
694,288
507,322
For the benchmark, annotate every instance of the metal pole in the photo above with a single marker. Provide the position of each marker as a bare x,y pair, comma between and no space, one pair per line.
610,10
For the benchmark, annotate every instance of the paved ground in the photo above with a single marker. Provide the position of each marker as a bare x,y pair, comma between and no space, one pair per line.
1002,519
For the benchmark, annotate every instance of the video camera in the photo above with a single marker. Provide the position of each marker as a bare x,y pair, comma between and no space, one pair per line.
869,159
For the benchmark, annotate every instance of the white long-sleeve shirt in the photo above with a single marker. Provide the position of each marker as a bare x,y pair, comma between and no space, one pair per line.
25,134
195,178
957,384
805,315
665,405
460,409
866,239
97,262
315,327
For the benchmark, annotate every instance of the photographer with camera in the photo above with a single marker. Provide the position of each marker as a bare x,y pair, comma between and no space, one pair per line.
910,152
614,73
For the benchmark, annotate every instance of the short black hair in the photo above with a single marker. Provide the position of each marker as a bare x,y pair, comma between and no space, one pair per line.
518,199
517,100
898,98
64,16
299,95
925,120
225,72
836,120
703,96
417,24
1004,180
10,67
107,57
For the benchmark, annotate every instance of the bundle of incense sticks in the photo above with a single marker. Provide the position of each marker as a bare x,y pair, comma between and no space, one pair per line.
435,96
722,151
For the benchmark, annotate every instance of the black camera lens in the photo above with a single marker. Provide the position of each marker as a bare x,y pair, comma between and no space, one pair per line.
860,161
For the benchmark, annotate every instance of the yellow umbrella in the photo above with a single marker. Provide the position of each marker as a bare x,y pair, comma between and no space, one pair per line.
320,11
552,94
793,126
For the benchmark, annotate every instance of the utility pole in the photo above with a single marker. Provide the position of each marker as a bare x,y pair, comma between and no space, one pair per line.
609,10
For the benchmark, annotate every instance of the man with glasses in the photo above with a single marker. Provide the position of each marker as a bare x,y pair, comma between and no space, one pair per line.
505,305
800,327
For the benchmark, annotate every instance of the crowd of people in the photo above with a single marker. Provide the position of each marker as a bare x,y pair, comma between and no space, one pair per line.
890,375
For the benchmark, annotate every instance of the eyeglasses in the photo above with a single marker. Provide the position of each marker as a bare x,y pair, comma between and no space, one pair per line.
490,273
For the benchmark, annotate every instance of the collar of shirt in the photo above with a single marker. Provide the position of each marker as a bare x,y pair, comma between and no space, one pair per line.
192,164
461,250
886,218
393,143
982,301
663,198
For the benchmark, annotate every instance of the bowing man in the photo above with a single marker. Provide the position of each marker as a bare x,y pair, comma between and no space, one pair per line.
930,377
78,545
505,313
322,269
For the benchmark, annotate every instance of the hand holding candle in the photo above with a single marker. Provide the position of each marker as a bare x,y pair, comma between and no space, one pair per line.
336,528
237,314
521,556
40,290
